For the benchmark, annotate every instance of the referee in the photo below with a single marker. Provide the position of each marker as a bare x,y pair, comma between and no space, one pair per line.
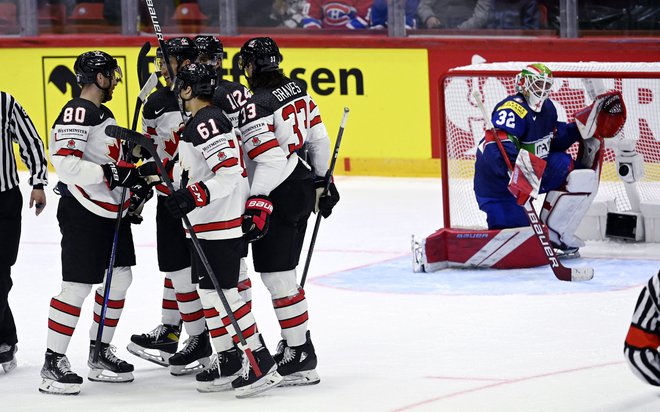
15,126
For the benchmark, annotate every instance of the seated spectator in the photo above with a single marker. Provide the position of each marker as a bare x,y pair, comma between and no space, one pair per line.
337,14
288,13
379,14
454,14
514,14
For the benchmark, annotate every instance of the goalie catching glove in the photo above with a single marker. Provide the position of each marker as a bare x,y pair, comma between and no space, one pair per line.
603,118
525,179
325,203
255,217
183,201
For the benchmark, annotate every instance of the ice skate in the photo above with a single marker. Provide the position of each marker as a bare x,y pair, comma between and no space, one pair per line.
58,379
297,364
564,252
8,357
248,384
225,367
194,357
108,367
156,346
417,255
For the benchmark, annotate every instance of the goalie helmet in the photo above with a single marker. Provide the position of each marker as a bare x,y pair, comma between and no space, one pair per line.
534,82
201,77
210,49
262,53
90,63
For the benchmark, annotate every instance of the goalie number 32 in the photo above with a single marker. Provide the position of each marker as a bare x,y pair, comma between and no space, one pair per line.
507,119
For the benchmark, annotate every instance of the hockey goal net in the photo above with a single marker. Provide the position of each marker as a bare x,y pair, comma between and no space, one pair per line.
462,126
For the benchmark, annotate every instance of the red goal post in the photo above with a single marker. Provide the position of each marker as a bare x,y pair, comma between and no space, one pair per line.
462,126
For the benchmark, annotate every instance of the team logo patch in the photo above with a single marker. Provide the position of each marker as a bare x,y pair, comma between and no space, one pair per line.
71,144
222,156
256,141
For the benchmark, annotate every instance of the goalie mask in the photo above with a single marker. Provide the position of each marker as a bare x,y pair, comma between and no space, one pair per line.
262,53
200,77
534,82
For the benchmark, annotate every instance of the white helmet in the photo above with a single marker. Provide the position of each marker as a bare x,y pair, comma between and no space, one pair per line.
535,82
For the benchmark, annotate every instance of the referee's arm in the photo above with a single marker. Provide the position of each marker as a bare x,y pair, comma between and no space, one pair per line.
32,153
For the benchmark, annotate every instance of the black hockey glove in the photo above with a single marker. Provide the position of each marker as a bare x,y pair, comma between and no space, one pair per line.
120,174
255,217
140,194
150,168
183,201
325,203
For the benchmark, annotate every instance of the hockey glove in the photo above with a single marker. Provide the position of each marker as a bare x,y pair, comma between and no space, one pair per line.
150,168
325,203
183,201
140,194
255,217
120,174
525,180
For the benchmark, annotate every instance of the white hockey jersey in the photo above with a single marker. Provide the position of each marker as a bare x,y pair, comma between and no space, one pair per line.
275,123
210,152
161,120
78,146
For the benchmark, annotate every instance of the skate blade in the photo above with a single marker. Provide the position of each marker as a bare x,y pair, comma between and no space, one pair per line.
268,381
103,375
52,387
197,366
161,359
221,384
301,379
9,366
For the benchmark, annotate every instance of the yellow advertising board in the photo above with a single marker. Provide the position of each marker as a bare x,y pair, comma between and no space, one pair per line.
387,90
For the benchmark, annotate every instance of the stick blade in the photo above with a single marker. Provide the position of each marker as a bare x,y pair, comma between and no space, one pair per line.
582,274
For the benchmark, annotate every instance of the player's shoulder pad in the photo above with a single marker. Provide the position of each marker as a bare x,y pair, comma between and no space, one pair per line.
159,102
515,104
196,128
83,112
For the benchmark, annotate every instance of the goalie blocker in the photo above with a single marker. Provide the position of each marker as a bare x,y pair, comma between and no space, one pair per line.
514,248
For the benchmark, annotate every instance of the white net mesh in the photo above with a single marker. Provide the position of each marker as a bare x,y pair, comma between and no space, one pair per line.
574,88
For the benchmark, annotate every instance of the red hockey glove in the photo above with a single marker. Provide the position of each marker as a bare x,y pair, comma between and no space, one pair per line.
120,174
325,203
525,180
255,217
183,201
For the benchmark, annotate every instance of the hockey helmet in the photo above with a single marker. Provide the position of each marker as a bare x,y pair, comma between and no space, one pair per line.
534,82
210,49
90,63
181,48
201,77
262,53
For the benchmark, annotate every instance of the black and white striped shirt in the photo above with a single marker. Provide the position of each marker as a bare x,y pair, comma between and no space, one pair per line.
643,339
16,126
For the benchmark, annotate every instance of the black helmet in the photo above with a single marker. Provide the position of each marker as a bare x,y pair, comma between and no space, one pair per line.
210,46
181,48
201,77
90,63
262,53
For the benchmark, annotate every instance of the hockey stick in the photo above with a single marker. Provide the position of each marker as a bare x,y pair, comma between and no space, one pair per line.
328,179
147,87
139,139
163,49
561,272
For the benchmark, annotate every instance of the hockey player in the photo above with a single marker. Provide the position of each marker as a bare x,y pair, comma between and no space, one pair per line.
91,180
161,120
642,345
533,139
214,199
275,123
230,97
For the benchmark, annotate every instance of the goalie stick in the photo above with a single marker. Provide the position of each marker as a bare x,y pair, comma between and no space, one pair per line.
139,139
145,89
561,272
328,179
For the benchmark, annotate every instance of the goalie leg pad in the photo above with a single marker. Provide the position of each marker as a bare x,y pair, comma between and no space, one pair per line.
563,210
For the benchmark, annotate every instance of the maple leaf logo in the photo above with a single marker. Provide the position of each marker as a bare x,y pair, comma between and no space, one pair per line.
172,143
256,141
113,150
71,144
222,156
